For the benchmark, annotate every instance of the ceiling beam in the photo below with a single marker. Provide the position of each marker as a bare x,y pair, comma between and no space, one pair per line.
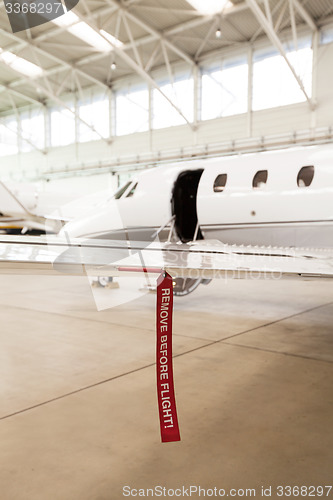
171,32
215,24
32,45
144,40
113,7
18,133
58,30
140,71
163,9
54,98
152,35
277,25
155,33
273,37
6,88
306,16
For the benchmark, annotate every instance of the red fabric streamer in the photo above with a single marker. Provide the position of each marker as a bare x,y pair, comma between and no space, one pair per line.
165,385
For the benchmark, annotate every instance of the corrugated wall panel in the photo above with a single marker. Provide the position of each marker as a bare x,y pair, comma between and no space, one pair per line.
281,120
223,129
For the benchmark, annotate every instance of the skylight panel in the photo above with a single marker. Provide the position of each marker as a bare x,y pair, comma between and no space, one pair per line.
82,30
66,20
111,38
90,36
20,64
209,7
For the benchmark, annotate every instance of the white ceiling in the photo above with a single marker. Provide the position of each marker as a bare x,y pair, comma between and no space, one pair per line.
153,34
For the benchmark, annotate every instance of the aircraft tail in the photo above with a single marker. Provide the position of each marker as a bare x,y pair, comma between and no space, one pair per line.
10,205
12,208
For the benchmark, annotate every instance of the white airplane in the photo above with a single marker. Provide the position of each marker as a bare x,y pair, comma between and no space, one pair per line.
276,198
269,212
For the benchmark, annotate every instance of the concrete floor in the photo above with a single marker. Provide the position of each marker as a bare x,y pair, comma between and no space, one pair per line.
78,414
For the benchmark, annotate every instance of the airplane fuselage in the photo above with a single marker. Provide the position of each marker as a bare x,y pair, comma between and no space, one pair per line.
279,198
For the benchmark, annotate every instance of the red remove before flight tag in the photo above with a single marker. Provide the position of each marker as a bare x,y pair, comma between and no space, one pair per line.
165,386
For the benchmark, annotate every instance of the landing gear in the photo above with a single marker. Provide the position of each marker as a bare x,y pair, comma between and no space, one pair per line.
184,286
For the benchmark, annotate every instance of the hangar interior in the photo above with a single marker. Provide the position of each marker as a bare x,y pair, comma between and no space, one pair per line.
124,85
110,88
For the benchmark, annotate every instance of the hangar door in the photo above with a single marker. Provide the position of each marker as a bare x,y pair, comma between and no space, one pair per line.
184,204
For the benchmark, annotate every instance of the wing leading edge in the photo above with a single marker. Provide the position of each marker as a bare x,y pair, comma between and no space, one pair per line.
206,259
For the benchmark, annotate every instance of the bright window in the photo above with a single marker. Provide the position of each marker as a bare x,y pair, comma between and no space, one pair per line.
62,127
326,35
181,94
132,191
95,112
260,179
8,136
305,176
118,194
224,90
220,183
273,82
32,130
132,111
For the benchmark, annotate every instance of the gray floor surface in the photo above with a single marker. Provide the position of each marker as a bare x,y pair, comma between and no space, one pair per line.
78,415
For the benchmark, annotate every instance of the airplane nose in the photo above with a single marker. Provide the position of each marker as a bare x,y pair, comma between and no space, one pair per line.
97,224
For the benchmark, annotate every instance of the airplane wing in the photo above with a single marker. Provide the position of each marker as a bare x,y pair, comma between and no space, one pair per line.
205,259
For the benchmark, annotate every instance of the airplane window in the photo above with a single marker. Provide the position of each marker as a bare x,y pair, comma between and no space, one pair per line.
121,190
132,190
305,176
220,183
260,179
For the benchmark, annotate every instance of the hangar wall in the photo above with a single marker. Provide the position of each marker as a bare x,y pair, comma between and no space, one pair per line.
290,120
